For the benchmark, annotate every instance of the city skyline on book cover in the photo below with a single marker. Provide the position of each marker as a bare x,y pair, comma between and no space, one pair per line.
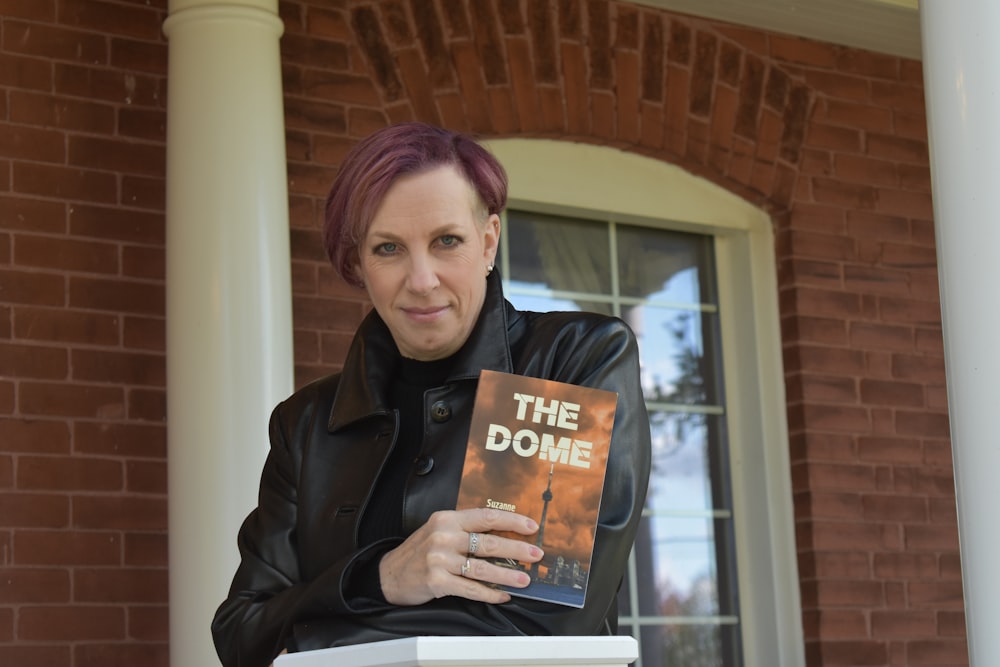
540,448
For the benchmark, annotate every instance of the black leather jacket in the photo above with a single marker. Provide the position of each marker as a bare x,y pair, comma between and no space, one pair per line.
329,441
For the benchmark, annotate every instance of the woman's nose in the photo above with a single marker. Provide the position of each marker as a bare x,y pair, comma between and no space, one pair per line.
422,277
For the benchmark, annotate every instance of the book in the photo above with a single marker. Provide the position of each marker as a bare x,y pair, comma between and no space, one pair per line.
540,448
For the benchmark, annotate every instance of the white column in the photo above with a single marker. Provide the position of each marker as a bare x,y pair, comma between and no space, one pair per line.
962,76
229,350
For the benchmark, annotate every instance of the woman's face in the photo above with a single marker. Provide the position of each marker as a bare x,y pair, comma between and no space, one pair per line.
424,261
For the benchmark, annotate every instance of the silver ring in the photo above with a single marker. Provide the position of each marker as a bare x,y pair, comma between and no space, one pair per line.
473,543
466,566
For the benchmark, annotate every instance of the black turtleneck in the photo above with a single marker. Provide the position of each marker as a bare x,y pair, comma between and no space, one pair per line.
384,515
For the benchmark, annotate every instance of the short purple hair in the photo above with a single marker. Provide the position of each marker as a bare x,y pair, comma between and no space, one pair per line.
378,161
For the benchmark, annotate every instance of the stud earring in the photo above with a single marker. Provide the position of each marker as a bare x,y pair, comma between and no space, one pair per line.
489,269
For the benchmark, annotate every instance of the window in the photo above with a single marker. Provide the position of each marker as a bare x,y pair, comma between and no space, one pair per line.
712,578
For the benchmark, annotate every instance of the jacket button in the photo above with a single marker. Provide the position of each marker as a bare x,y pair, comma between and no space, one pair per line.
423,465
440,412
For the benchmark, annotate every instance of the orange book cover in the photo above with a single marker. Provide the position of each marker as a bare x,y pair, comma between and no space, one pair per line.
540,448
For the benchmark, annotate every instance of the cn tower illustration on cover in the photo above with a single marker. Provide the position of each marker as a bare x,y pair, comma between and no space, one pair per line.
540,448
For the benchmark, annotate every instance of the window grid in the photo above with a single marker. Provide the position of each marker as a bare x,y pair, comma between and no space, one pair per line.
635,620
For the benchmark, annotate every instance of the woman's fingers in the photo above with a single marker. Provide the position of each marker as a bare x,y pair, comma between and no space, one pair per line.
438,559
497,546
485,571
479,527
485,519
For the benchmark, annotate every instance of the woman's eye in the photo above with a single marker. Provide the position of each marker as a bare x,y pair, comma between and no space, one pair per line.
385,249
449,240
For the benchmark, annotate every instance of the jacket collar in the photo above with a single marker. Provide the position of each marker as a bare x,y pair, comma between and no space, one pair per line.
372,358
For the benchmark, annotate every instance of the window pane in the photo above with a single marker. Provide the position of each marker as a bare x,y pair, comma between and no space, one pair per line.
677,348
689,645
689,463
681,559
558,253
544,304
663,265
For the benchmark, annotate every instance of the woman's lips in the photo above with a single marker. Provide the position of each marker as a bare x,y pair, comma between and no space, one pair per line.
425,314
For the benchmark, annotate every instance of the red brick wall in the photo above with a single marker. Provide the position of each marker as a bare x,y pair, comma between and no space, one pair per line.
871,469
82,401
830,141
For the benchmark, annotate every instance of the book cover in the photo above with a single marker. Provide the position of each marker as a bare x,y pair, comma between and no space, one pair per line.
540,448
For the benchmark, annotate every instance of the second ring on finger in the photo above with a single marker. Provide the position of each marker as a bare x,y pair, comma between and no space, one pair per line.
474,539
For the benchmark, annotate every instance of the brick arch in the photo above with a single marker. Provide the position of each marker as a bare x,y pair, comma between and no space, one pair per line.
688,92
666,86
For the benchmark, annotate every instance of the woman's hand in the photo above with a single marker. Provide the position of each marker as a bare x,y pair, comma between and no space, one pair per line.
431,562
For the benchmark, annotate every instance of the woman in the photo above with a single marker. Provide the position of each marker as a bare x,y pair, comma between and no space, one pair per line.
355,537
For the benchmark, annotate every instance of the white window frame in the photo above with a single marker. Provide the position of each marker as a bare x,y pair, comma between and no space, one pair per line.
560,177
